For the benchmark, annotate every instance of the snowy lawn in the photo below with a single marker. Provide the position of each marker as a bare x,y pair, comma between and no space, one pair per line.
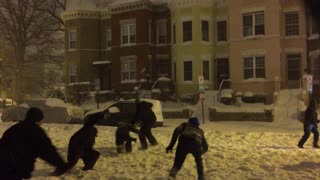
237,150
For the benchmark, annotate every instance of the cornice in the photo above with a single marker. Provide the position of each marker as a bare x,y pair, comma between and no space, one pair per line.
78,14
177,4
131,6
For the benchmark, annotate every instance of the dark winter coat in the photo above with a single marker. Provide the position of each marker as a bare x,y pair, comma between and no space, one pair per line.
311,116
145,114
20,145
83,140
123,133
190,133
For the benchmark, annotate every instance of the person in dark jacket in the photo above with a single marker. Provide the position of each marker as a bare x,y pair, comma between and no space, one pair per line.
191,140
22,143
82,142
146,116
310,125
123,138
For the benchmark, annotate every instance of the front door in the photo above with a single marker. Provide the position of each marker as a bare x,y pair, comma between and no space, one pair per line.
294,70
222,72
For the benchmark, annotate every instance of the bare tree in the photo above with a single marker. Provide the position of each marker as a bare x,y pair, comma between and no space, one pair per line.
29,33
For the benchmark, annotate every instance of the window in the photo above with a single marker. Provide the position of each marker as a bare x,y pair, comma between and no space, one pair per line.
162,32
174,34
253,24
254,67
128,70
72,39
174,71
187,70
205,70
73,72
292,23
293,66
163,67
109,38
128,34
205,30
222,31
187,31
314,26
315,68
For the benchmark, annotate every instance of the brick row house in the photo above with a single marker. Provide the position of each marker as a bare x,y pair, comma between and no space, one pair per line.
261,45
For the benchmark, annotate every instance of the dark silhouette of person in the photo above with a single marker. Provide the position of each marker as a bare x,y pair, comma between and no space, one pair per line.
191,140
147,118
123,138
81,144
310,125
22,143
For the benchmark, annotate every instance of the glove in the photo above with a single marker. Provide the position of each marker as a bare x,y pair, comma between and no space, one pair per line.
169,149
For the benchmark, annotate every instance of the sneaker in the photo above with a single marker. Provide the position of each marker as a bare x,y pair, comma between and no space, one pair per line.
300,146
316,146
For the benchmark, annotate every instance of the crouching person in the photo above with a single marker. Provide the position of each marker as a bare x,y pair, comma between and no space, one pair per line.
191,140
123,138
23,143
81,145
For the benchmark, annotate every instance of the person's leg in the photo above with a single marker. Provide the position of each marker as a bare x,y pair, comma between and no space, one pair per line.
305,137
181,155
128,146
150,137
120,144
142,137
90,159
315,137
198,159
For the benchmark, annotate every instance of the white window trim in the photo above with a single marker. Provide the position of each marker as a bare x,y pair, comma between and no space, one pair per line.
209,30
159,22
128,60
128,26
69,38
217,41
285,24
254,78
254,35
206,59
187,42
107,38
187,82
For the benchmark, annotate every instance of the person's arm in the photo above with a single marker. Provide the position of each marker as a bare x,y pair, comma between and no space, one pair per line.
47,151
178,130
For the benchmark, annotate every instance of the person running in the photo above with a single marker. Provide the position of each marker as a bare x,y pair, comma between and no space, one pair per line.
191,140
310,125
23,143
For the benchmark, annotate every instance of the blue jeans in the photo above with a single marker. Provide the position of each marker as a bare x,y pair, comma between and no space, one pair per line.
307,131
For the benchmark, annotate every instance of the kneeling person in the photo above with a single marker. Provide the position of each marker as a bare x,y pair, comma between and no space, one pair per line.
81,145
123,138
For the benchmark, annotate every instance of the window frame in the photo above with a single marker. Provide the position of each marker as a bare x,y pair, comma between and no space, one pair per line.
127,26
225,33
70,40
108,39
185,38
164,33
254,67
254,24
129,71
206,37
185,72
292,25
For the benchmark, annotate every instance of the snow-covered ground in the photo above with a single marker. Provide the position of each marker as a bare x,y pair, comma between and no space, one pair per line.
237,150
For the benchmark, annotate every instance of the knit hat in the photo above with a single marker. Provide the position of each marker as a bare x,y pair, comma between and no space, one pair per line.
34,114
194,120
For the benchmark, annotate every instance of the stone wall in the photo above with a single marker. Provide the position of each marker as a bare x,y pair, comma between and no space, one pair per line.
266,116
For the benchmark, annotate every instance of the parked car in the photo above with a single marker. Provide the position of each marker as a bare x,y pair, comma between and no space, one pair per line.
124,111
